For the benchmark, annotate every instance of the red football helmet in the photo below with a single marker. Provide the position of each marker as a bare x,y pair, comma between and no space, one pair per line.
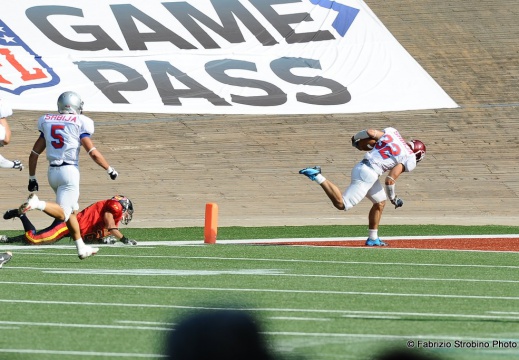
418,148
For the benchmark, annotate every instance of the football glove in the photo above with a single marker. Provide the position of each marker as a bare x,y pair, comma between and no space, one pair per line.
109,240
113,173
397,202
33,185
127,241
17,165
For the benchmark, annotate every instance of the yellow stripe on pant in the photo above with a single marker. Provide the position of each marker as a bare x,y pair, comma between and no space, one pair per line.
47,236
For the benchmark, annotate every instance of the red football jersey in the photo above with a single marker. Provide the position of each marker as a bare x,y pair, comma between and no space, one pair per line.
91,219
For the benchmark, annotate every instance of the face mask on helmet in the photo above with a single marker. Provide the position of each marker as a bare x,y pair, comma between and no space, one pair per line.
418,148
70,103
127,208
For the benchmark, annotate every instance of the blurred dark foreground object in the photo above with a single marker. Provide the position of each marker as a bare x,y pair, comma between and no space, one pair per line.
404,354
217,335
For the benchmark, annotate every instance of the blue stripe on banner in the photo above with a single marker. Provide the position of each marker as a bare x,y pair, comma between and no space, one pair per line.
345,17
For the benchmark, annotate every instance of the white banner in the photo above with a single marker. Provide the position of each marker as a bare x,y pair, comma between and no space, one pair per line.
209,56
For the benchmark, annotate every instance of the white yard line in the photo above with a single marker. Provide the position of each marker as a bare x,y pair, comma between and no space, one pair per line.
278,291
339,262
90,326
252,272
272,241
80,353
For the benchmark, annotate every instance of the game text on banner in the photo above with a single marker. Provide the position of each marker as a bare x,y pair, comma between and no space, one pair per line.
210,56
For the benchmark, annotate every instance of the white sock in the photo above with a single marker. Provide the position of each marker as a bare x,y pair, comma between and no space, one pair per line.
41,205
319,178
79,244
373,234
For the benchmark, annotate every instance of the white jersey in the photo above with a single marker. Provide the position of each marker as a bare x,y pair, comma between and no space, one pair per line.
5,109
63,133
391,150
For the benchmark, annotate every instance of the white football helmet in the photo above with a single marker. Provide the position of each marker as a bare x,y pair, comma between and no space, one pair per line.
70,103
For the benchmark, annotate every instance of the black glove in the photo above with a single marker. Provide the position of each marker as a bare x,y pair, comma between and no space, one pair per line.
17,165
127,241
113,173
397,202
33,185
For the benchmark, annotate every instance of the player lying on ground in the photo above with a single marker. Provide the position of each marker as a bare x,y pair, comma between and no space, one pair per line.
99,223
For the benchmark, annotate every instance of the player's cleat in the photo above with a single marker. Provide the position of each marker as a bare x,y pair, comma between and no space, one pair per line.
311,172
4,258
87,251
376,242
29,204
11,214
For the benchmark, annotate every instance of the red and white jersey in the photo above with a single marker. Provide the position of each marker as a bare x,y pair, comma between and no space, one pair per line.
91,219
63,133
391,150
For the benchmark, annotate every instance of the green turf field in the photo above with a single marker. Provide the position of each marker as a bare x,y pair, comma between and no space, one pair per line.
313,302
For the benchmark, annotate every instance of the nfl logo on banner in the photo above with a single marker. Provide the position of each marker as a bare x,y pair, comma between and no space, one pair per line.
20,68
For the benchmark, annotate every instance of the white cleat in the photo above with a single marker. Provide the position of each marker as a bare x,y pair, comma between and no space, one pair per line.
29,204
87,251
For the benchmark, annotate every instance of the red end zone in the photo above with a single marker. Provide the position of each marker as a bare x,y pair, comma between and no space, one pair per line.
505,243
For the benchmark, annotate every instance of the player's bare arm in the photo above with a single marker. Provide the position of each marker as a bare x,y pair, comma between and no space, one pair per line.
366,139
37,149
367,134
112,228
375,134
98,158
95,154
394,173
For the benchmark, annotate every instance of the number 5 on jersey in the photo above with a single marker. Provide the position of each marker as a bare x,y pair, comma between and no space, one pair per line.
58,142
